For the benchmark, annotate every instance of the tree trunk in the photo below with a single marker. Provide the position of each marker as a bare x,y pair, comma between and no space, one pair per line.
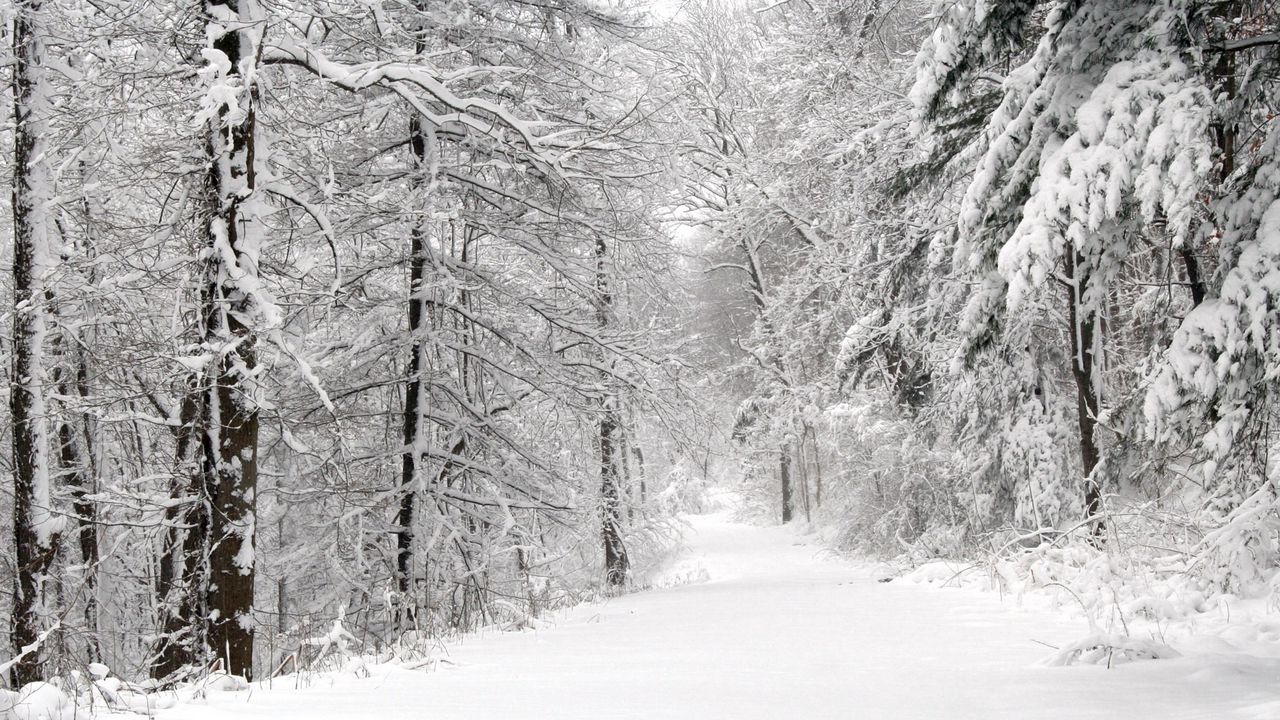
638,453
282,586
231,453
784,473
1223,81
34,525
229,441
616,562
180,585
817,466
624,469
1194,280
76,470
87,478
802,465
762,312
1083,336
1224,88
415,389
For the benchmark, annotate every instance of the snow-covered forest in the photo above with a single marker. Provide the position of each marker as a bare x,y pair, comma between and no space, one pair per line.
374,323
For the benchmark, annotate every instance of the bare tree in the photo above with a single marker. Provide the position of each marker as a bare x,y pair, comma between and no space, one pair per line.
34,523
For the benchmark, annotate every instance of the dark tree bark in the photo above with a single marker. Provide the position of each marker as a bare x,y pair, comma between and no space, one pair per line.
616,562
728,145
1224,88
76,430
229,443
1194,279
282,589
230,458
1084,327
183,574
415,384
803,468
784,474
75,453
817,463
624,470
415,390
1223,80
35,542
638,454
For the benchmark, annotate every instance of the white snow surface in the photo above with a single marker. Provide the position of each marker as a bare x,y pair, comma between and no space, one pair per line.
768,624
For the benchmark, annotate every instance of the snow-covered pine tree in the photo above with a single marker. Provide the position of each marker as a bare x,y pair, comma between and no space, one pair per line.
1100,146
1218,367
1213,389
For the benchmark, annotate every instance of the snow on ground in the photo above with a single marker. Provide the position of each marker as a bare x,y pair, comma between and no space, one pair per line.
774,627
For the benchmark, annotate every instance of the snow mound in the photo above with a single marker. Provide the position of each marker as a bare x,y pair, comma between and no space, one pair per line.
37,701
1108,649
225,682
115,693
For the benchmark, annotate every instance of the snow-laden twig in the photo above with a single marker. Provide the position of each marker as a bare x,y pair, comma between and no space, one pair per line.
28,649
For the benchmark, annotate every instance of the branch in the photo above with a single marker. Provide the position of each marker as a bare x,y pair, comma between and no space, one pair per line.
473,113
28,649
727,266
285,191
1240,44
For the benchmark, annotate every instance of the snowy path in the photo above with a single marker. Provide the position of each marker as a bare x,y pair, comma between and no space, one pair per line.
778,631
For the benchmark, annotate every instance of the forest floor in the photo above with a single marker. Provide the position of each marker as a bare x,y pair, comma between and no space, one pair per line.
761,622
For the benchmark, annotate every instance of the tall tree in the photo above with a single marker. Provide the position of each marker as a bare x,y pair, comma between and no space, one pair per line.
35,524
236,306
1099,138
417,372
616,562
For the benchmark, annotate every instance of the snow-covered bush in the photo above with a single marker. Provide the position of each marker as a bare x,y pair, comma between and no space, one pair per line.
888,491
39,701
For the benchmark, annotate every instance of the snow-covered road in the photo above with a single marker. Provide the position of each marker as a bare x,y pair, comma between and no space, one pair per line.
778,630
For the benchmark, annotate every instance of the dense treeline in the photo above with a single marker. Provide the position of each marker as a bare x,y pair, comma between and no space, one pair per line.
426,316
1013,269
326,306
